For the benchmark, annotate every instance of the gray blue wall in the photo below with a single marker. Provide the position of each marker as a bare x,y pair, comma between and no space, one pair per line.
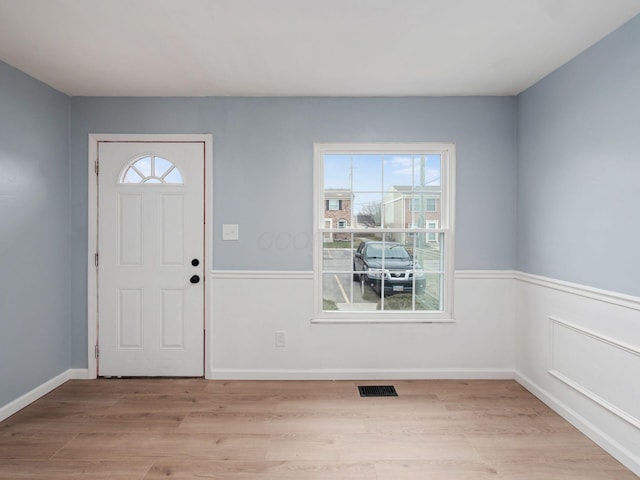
34,233
576,181
263,176
579,168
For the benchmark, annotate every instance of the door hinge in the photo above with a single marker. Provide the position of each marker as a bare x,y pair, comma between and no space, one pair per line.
97,167
97,351
96,259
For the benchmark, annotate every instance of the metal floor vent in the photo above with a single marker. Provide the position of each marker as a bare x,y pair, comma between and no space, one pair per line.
378,391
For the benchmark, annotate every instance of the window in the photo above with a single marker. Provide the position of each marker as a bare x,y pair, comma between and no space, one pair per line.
422,204
394,257
431,236
152,170
333,205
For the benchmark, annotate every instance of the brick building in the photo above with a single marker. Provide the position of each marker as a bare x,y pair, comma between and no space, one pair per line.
337,212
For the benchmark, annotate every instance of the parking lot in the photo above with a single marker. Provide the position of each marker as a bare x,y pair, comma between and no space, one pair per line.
342,292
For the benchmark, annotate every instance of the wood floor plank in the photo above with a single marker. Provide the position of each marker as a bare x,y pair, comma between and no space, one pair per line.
269,470
407,447
436,469
135,429
111,446
32,445
67,469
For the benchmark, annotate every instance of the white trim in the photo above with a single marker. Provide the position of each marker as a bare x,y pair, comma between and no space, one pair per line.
78,374
577,386
629,459
485,275
308,274
363,374
261,275
40,391
614,298
92,235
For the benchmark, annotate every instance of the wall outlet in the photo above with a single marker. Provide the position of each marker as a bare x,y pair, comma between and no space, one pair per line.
280,338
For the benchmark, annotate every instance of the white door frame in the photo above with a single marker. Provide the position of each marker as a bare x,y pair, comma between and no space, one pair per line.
92,238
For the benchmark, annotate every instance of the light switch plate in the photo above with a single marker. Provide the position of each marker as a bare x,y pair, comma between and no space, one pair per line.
230,231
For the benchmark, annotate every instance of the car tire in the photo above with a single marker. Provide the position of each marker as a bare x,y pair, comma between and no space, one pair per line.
362,285
356,276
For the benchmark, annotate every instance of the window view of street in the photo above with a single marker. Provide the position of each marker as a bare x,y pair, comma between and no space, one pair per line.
382,236
393,277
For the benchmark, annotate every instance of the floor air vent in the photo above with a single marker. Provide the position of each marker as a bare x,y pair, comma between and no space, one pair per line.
378,391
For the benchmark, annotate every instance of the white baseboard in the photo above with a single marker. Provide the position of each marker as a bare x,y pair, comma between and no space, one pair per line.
364,374
629,459
78,374
41,390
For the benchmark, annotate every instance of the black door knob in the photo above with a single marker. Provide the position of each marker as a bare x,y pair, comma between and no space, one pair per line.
195,262
194,279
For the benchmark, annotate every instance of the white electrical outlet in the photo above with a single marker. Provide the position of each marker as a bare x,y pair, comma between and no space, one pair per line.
280,338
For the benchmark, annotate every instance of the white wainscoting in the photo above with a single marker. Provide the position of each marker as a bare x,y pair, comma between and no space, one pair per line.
582,358
248,308
578,350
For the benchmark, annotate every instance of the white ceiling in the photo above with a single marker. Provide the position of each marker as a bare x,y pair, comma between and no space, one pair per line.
300,47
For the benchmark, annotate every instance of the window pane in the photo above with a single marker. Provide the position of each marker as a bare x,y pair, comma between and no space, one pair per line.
161,166
340,291
367,210
132,176
173,176
430,298
337,172
337,252
394,210
426,171
144,166
399,172
367,173
428,255
401,301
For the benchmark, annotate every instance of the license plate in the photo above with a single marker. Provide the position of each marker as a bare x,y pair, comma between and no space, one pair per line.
398,288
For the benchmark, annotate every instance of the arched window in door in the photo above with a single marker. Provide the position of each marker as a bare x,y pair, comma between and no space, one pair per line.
151,170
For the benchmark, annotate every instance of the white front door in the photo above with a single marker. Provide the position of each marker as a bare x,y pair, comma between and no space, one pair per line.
151,265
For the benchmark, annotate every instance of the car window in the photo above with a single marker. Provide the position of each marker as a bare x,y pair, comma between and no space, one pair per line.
396,251
374,251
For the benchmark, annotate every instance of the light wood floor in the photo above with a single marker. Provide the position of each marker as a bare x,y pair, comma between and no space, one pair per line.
194,429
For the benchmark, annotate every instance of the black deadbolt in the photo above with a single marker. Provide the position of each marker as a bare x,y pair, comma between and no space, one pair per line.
195,262
194,279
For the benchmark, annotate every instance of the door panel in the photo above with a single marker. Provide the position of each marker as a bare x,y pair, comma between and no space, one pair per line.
151,224
129,225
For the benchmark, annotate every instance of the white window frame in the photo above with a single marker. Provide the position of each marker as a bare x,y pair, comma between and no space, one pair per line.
446,229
